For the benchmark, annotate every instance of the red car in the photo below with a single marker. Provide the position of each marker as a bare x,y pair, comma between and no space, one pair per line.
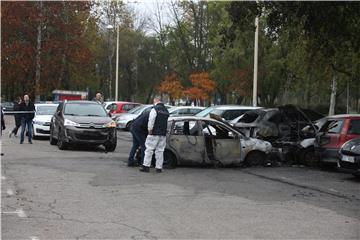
337,130
116,108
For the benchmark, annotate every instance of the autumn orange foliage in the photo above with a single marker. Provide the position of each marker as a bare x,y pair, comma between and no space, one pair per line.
202,86
171,86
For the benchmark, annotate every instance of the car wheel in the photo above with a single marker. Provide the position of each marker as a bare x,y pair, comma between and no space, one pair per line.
170,160
110,147
128,126
53,141
255,158
60,141
308,157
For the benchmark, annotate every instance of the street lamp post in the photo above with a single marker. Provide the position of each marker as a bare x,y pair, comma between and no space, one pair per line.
117,61
255,83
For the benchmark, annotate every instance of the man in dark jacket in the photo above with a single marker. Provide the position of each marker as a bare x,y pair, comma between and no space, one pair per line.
26,118
2,120
17,117
139,132
156,140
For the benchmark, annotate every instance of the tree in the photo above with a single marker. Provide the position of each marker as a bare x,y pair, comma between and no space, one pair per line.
202,87
172,87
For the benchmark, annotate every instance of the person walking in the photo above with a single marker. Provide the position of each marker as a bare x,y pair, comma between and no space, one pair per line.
156,140
139,132
17,117
26,118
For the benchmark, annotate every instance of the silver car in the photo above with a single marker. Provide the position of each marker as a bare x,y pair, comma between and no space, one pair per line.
124,121
185,111
206,141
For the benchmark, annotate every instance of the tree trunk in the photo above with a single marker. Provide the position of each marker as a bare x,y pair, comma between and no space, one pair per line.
333,95
38,55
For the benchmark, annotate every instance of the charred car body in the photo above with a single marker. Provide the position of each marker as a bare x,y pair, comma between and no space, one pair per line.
206,141
289,129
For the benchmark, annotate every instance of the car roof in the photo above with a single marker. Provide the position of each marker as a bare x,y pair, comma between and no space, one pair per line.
234,107
193,107
46,104
82,102
344,116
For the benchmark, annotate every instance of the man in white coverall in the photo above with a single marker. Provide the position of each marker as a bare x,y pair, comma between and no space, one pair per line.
156,140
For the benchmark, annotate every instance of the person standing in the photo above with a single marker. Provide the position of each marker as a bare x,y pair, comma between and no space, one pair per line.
98,98
26,118
156,140
2,121
139,132
17,117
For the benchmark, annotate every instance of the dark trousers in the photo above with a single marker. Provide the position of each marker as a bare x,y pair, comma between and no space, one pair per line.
26,123
17,125
138,141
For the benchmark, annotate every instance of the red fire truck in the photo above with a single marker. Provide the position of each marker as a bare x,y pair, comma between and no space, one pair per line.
61,95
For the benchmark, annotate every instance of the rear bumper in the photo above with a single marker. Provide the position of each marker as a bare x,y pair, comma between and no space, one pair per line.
90,135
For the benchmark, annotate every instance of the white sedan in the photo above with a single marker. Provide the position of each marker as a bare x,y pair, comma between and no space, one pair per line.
42,119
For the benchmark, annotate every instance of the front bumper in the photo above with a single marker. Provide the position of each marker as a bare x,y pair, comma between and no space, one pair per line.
95,136
41,130
350,167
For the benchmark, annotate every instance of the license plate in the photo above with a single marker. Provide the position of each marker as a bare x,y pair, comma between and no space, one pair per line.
348,159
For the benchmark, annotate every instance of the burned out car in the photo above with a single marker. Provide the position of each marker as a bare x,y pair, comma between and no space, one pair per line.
288,128
206,141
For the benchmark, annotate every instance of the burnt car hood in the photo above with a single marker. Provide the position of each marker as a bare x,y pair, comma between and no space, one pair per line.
89,119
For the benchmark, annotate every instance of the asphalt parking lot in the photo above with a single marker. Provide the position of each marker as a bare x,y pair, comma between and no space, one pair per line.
86,193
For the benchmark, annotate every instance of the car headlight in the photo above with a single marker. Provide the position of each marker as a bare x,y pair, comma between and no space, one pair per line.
111,124
38,122
68,122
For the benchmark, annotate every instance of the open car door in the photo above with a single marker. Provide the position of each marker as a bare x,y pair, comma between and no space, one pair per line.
222,143
187,141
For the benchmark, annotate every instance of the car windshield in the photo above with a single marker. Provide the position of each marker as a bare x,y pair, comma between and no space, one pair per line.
81,109
46,110
205,112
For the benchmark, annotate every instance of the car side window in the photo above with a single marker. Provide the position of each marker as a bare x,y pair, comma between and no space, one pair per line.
218,131
189,128
183,111
354,127
335,126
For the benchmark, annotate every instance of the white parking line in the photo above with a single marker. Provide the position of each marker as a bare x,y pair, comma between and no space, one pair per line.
333,190
19,212
3,178
10,192
34,238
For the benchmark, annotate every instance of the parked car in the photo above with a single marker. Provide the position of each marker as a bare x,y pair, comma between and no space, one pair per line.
116,108
83,123
124,120
7,107
288,128
350,157
337,130
185,111
205,141
227,112
42,119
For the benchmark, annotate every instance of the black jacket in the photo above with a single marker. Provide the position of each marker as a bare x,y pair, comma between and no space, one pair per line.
29,107
162,115
140,123
17,116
